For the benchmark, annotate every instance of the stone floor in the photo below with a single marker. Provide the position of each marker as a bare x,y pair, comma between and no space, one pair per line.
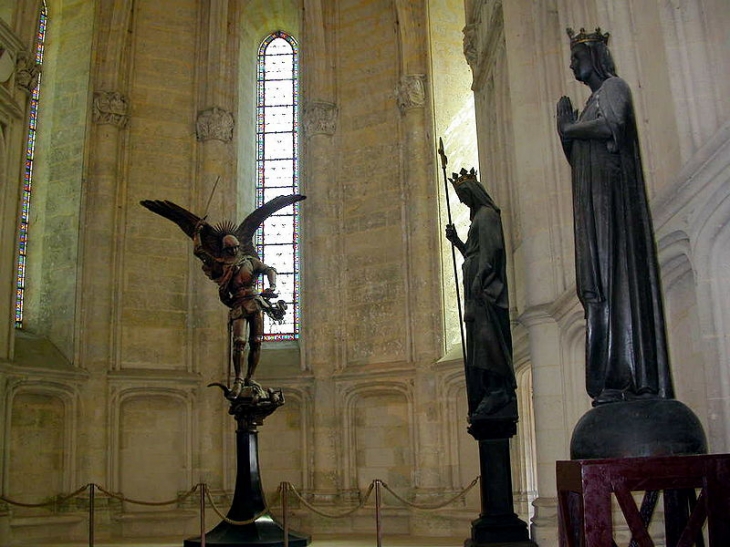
318,541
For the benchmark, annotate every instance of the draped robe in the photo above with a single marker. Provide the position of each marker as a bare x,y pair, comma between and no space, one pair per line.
489,367
617,273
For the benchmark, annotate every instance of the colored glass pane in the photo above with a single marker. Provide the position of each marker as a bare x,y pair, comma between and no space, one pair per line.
28,171
277,168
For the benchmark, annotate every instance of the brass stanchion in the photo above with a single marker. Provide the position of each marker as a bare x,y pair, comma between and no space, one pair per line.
284,508
378,523
202,514
91,514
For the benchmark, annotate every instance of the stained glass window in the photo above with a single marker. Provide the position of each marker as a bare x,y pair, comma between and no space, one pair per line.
28,172
277,141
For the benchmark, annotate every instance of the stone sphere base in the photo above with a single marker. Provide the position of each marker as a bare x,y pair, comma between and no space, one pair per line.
640,428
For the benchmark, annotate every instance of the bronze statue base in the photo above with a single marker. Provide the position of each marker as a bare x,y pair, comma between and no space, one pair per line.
249,505
637,428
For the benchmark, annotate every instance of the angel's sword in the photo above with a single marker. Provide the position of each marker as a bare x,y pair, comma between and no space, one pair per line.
210,197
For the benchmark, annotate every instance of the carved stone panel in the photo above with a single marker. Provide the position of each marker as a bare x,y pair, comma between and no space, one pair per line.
411,92
110,108
215,123
320,118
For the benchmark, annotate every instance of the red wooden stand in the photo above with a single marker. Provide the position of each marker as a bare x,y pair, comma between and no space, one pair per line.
584,499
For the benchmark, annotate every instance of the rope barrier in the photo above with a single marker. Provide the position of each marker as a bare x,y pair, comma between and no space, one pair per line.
121,497
236,522
451,500
327,515
281,495
61,498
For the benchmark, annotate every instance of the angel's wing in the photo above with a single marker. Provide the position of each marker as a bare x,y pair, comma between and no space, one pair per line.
251,223
209,237
172,211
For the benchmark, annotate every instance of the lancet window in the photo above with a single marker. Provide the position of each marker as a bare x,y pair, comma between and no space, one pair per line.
28,171
277,139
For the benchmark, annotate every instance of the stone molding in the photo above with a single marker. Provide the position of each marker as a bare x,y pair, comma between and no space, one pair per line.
320,118
483,39
411,91
7,64
471,49
110,108
214,124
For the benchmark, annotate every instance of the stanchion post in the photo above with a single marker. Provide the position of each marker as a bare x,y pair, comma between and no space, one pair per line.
202,514
285,510
91,514
378,523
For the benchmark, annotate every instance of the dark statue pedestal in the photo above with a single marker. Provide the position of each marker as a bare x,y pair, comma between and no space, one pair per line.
696,496
497,525
650,445
638,428
506,530
249,505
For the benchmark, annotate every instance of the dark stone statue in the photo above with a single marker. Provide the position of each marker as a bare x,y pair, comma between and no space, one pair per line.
490,377
489,371
617,272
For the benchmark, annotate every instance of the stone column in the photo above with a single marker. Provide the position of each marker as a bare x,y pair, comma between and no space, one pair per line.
99,252
321,331
13,123
545,255
322,350
551,430
214,191
423,282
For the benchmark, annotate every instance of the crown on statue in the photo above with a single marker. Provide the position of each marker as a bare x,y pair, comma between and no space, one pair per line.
462,176
583,36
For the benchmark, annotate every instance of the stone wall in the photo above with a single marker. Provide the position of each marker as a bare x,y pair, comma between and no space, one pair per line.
107,383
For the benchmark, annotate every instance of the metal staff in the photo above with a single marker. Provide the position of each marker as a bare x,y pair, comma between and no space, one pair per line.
444,161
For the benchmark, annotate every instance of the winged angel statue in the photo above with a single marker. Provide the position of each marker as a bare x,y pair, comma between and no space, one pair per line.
229,258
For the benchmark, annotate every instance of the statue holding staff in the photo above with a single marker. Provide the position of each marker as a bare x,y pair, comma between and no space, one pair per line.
490,377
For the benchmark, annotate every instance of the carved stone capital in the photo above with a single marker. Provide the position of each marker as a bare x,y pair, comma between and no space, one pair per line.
411,92
214,123
27,72
110,108
320,118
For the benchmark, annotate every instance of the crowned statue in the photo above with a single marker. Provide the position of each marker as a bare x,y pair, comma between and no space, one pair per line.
490,377
617,272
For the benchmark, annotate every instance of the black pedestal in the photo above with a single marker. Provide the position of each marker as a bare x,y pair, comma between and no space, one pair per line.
248,503
498,524
637,429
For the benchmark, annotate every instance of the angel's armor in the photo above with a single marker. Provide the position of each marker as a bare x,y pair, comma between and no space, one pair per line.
237,290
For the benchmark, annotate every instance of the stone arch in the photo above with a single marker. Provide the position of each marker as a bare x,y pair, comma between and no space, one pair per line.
679,289
573,357
286,443
460,448
150,443
712,260
39,440
524,444
379,434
